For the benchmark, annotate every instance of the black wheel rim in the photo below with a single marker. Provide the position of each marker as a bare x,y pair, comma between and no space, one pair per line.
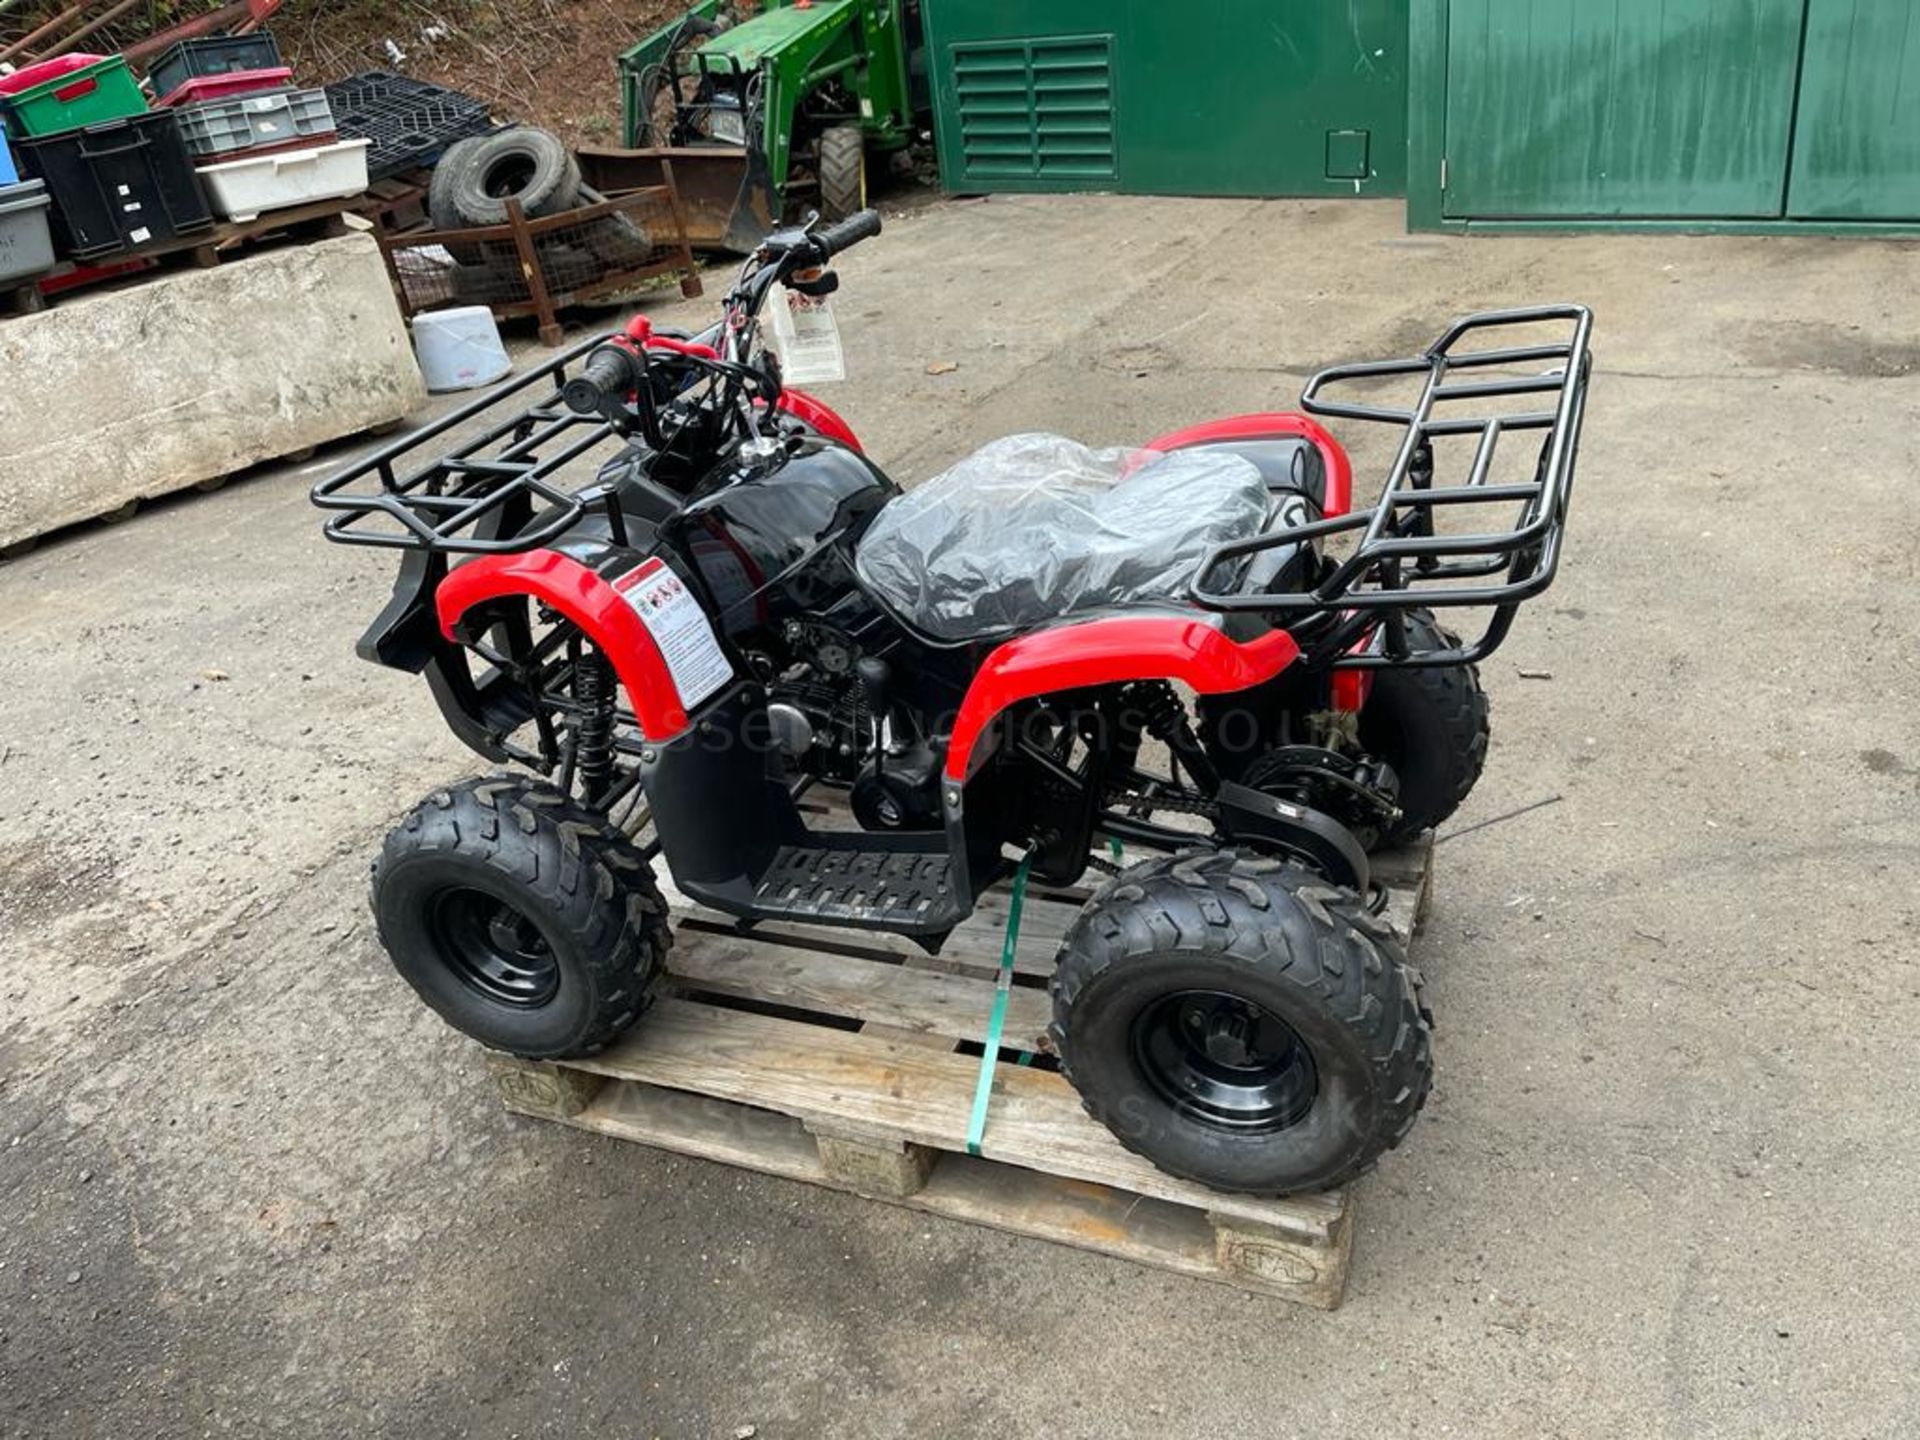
1225,1060
493,949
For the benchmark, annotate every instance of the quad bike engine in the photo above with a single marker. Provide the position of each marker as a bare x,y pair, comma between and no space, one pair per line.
829,717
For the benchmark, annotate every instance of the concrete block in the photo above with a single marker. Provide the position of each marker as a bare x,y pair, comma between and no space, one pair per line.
141,391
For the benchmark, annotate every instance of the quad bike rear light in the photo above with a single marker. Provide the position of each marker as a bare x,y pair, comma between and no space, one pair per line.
1398,554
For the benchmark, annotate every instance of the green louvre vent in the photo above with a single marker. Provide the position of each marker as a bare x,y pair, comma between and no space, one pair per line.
1035,110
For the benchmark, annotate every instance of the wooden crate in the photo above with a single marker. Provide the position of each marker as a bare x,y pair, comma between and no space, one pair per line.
849,1060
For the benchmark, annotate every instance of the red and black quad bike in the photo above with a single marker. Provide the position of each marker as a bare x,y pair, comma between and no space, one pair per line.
1196,655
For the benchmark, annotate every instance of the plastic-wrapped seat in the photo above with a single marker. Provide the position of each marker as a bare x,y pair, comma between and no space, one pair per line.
1034,527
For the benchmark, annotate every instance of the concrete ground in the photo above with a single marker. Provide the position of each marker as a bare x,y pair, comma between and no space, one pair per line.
1665,1184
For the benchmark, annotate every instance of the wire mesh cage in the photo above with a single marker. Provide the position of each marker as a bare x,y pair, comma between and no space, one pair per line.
537,267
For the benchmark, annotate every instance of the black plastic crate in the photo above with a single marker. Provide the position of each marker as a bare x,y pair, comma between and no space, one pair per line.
212,55
118,188
410,122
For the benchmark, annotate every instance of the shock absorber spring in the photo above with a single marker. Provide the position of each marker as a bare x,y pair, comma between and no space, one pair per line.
593,691
1165,717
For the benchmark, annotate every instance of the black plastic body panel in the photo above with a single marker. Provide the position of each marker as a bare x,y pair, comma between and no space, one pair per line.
720,801
757,535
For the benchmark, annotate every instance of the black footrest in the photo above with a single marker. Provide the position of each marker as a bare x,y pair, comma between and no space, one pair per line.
908,892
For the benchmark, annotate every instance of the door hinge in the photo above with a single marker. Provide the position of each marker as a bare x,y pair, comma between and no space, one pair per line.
1443,172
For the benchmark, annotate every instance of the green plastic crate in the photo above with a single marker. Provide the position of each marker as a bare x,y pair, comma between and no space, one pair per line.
105,90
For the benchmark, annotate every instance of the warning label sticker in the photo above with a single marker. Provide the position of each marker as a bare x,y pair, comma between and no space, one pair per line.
672,614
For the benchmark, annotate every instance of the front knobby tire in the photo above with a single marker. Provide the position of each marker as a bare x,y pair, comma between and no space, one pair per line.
1241,1022
523,918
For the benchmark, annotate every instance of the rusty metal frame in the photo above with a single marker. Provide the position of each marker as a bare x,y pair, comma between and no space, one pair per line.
543,303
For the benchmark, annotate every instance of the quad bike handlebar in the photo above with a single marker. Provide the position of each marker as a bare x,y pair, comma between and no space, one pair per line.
847,233
616,370
456,502
610,371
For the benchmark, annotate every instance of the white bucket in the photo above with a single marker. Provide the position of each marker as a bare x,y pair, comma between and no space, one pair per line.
459,349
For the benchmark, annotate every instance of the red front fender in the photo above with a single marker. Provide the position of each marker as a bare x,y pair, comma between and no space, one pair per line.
1110,652
798,403
823,418
590,601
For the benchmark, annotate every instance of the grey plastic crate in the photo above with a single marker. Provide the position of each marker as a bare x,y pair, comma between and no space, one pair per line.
242,122
26,244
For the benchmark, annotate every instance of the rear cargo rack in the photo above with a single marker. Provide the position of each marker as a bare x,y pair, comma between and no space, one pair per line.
1401,560
490,494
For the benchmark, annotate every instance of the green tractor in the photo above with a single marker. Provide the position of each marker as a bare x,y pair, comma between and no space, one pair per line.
754,111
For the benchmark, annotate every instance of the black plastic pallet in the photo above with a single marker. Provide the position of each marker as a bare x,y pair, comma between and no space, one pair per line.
410,122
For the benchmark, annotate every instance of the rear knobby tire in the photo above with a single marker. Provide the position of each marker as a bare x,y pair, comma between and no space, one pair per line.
1258,932
523,918
1431,727
843,172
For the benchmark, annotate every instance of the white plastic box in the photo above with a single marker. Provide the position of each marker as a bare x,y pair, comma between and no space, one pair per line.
459,349
241,189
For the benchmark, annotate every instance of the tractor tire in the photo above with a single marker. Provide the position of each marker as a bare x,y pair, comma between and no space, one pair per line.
1241,1022
532,166
526,920
567,266
843,172
1431,727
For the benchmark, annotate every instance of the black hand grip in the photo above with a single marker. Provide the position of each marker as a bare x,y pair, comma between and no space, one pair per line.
608,374
861,225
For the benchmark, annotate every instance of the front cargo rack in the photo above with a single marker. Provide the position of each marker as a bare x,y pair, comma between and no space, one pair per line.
496,492
1401,560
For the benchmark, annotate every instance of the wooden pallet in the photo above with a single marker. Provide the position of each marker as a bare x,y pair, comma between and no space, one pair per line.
842,1059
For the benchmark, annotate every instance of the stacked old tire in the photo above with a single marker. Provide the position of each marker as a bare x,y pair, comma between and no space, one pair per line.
471,187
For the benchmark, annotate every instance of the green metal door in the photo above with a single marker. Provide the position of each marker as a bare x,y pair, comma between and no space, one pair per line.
1856,144
1207,97
1645,108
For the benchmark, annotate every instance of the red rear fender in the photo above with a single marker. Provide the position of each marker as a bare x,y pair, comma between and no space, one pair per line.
1268,426
1110,652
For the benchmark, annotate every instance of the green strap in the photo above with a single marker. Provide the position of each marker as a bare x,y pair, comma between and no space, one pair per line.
1002,988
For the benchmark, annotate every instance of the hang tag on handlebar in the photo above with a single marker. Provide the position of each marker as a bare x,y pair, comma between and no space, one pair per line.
806,337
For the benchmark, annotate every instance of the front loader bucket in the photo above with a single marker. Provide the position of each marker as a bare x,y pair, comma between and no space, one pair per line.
724,189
